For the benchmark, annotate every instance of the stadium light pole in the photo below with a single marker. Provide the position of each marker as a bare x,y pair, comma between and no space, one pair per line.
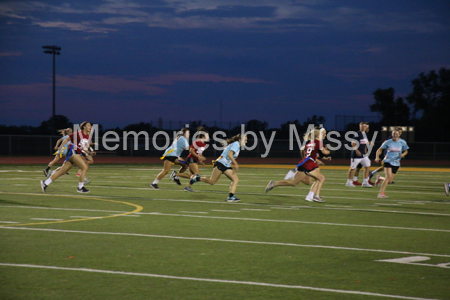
55,51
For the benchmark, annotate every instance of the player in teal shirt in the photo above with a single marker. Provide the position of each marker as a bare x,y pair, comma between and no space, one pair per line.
223,166
396,149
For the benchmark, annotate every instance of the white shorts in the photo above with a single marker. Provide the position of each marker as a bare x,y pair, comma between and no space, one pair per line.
365,162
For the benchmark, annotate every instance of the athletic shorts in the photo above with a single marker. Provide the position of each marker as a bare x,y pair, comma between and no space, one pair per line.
394,168
354,162
170,158
191,160
222,168
69,153
307,165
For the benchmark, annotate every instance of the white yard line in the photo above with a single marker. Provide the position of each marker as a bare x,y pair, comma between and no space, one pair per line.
264,284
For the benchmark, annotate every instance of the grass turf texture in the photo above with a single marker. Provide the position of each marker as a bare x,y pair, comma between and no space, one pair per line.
125,240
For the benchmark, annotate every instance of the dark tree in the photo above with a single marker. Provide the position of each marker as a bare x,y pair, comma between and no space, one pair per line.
61,122
394,111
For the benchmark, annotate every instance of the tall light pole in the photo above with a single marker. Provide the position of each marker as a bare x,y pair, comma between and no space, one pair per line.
55,51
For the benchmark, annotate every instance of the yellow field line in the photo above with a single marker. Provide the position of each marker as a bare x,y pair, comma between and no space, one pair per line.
274,166
138,209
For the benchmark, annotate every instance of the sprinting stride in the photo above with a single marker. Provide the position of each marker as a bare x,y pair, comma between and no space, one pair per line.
396,149
172,155
59,153
223,166
77,154
308,166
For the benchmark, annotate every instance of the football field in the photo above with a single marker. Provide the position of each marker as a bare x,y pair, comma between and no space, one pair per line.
125,240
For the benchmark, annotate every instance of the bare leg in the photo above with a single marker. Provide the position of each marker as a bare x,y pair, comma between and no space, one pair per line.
320,180
298,177
231,174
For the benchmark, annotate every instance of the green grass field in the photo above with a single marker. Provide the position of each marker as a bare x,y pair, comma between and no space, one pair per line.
125,240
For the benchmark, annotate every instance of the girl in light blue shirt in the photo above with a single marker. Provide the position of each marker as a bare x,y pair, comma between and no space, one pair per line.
222,165
172,155
396,149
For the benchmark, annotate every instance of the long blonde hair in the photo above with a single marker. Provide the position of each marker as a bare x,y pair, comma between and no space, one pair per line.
317,132
233,139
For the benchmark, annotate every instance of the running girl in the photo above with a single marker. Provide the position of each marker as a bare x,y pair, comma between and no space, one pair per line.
80,147
396,149
194,158
308,166
172,155
223,166
59,154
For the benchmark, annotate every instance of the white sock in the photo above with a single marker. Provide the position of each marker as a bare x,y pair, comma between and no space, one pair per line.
310,195
80,185
355,178
48,181
366,180
155,181
349,180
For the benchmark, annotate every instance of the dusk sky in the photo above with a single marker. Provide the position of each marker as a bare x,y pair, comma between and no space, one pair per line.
126,62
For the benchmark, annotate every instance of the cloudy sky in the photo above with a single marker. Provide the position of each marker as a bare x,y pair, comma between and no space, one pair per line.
125,62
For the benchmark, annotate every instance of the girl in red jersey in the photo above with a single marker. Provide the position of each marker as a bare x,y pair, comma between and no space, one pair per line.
308,166
194,158
77,155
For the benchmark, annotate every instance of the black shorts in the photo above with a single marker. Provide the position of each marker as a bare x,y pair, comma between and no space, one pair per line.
303,169
394,168
170,158
221,167
191,160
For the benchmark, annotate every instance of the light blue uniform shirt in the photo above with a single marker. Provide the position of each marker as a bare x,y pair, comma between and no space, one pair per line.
65,146
177,147
224,159
394,150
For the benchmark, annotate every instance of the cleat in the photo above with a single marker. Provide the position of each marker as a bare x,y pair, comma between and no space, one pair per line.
391,182
67,173
173,175
382,196
43,186
83,190
45,172
309,199
188,189
269,186
195,179
155,186
317,198
233,199
378,181
78,174
177,180
447,187
366,185
356,183
371,175
371,183
349,184
86,181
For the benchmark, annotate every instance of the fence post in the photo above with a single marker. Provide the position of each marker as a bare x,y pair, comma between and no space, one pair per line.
10,145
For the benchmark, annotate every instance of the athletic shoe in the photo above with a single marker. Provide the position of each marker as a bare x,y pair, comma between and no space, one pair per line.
317,198
46,172
67,173
391,182
155,186
382,196
83,190
177,180
173,175
371,175
195,179
447,187
188,189
366,185
269,186
43,186
371,183
356,182
378,181
233,199
309,199
86,181
78,174
350,184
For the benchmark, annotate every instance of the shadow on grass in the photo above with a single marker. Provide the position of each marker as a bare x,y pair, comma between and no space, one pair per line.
9,202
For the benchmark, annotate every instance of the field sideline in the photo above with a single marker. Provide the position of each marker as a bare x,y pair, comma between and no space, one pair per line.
125,240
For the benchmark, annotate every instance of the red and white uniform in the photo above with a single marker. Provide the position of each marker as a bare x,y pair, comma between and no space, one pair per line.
199,147
83,141
312,149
